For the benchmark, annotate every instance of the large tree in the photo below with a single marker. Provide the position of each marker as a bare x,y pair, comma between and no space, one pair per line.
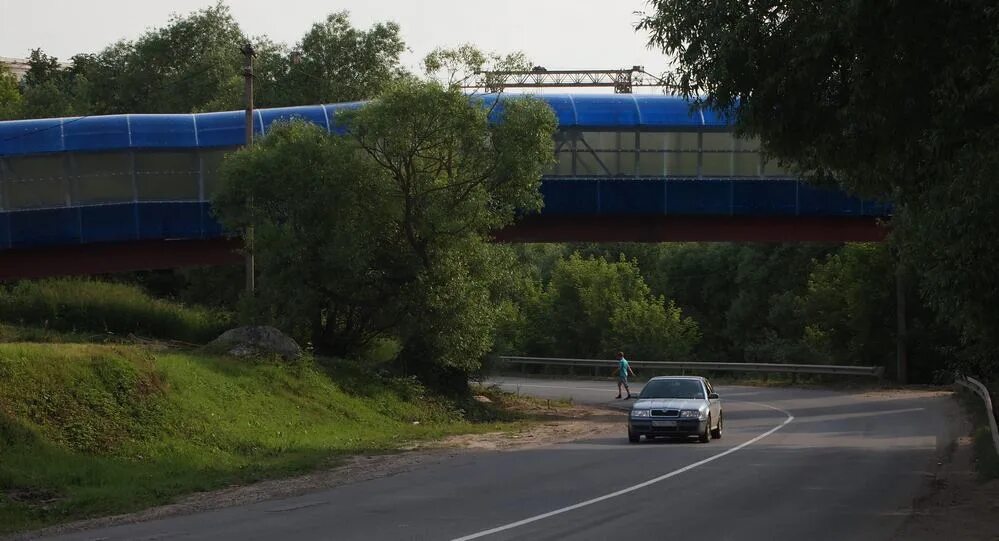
384,230
178,68
52,89
892,99
336,62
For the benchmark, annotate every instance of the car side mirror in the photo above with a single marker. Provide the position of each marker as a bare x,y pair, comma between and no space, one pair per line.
713,396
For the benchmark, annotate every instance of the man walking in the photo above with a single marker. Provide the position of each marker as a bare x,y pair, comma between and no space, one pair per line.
623,369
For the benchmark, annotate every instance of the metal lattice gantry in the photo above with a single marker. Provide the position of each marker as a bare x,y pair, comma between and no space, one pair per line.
622,81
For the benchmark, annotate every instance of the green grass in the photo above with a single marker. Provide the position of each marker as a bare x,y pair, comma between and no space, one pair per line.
21,333
88,306
986,459
89,429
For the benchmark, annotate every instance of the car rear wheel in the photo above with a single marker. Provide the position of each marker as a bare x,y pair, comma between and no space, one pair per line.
716,433
705,437
633,437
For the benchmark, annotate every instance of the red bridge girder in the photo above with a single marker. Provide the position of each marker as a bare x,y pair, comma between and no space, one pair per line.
106,258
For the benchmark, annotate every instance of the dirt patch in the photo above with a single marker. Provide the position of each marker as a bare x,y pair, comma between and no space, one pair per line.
569,424
955,504
556,424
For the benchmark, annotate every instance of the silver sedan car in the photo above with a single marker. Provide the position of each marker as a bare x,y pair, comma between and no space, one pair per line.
676,406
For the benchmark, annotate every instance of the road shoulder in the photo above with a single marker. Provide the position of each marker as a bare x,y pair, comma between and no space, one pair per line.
955,503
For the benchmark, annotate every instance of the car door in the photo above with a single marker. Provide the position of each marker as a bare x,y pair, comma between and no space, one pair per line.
714,404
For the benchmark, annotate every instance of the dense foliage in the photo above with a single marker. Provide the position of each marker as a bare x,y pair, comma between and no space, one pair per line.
383,230
592,307
888,99
721,302
194,64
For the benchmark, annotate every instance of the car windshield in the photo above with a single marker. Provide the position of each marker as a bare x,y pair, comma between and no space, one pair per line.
673,388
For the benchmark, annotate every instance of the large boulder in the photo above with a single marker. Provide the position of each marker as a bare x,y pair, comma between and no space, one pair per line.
256,341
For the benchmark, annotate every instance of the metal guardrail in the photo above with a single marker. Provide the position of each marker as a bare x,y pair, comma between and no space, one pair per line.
875,371
982,391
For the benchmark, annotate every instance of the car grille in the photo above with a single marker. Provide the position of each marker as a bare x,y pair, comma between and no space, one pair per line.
665,413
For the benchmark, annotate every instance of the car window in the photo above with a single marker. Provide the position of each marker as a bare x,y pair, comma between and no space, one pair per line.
673,388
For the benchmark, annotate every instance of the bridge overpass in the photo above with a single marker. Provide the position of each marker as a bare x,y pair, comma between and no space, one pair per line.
128,192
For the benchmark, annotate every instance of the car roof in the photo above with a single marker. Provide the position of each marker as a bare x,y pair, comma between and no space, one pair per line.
698,378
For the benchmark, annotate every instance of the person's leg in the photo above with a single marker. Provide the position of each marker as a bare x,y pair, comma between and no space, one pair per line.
618,388
626,388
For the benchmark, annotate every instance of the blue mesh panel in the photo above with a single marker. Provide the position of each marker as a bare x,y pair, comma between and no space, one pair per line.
31,136
163,131
564,109
226,129
97,133
764,197
633,197
170,220
603,111
571,196
221,129
44,227
108,223
661,113
698,197
4,230
813,201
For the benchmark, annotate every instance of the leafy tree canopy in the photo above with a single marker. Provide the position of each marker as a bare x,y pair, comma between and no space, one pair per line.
890,99
194,64
383,230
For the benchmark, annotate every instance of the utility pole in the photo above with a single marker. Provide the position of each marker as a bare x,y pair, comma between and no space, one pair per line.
248,54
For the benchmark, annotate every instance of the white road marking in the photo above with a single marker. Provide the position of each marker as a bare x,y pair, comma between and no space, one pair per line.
633,488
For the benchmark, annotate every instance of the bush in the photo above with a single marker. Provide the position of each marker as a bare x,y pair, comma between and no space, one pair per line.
100,307
592,308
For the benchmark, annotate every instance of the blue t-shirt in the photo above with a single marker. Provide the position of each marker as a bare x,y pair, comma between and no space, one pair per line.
622,368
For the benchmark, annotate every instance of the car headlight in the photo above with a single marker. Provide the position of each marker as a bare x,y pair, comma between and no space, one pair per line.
693,413
641,413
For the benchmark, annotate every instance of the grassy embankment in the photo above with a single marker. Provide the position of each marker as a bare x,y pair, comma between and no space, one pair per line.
90,429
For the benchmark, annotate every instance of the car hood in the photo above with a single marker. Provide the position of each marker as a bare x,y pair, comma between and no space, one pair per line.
670,403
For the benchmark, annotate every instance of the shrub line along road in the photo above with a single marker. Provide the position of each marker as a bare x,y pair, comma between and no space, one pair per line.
792,464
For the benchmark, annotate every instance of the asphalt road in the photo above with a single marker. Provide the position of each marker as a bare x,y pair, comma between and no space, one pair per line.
792,464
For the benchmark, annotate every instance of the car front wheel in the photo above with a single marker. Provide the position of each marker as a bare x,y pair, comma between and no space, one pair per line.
705,437
716,433
633,437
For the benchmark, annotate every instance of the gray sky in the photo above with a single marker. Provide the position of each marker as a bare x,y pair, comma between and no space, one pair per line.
567,34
